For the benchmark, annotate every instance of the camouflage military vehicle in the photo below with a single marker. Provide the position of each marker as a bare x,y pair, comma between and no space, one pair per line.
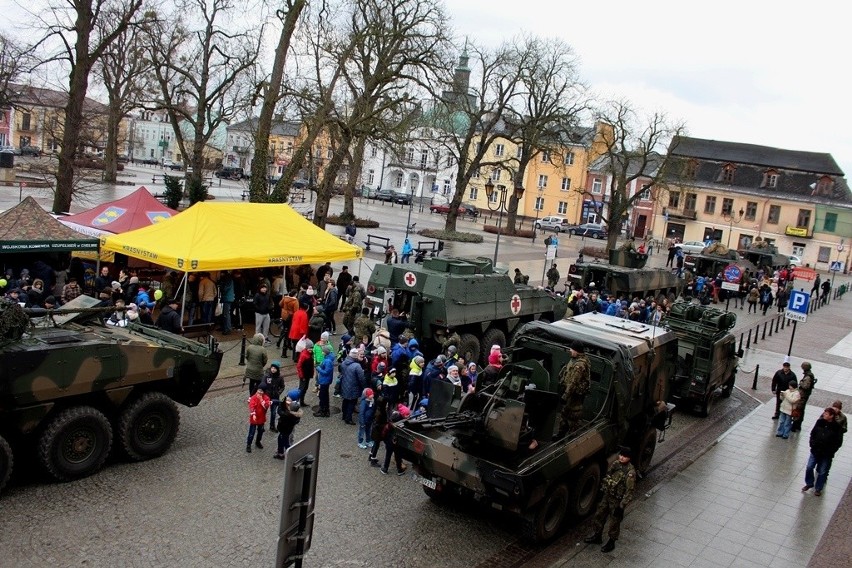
466,295
70,386
479,445
714,259
625,279
765,255
706,355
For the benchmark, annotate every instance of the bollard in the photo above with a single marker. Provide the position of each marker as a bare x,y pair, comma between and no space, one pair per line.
243,351
756,333
754,382
770,328
778,323
783,322
748,341
764,331
741,342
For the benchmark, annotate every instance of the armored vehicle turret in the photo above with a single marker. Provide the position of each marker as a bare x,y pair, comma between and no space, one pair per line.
502,444
70,387
706,355
465,296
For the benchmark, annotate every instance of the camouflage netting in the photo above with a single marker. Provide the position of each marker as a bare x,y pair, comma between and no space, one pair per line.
13,321
717,249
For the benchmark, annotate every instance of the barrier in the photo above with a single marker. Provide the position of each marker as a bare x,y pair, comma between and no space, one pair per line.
376,240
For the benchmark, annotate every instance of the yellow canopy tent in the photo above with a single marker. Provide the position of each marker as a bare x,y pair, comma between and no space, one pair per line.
227,236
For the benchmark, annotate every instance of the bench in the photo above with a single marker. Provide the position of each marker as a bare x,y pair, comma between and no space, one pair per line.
309,215
434,248
376,240
198,330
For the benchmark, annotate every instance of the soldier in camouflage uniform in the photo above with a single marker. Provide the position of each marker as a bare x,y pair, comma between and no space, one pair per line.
575,384
806,387
617,487
451,338
352,307
364,328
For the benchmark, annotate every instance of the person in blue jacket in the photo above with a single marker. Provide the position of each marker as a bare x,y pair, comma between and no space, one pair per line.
366,412
407,249
352,383
325,376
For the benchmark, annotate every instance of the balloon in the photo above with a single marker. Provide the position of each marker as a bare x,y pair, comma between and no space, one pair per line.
3,282
158,295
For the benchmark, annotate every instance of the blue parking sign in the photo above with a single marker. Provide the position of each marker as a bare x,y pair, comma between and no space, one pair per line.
797,306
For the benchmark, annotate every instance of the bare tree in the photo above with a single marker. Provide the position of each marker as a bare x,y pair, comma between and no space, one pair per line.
271,91
123,69
16,61
630,145
201,72
76,27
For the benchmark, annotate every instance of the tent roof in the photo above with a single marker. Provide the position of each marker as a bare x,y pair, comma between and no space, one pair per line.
228,236
27,227
137,210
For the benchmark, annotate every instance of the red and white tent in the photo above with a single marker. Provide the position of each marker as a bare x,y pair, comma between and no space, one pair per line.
137,210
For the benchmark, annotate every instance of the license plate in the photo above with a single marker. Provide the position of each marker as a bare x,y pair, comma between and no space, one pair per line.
430,483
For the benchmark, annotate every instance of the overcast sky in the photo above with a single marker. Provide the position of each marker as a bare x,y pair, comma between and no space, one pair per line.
751,71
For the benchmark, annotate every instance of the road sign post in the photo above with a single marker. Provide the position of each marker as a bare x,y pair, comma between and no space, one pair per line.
297,501
797,311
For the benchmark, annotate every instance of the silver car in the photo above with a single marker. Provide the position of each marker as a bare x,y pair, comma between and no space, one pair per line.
553,223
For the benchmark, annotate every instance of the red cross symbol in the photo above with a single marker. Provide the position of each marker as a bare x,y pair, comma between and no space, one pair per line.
515,304
410,279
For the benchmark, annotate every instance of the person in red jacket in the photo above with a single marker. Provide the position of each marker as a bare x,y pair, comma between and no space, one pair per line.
298,327
258,404
305,369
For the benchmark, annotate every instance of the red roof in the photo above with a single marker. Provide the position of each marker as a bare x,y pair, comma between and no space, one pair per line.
137,210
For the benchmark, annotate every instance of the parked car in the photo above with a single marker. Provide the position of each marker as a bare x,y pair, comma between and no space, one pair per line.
384,195
150,161
464,209
403,198
691,247
795,260
554,223
593,230
174,166
230,173
30,151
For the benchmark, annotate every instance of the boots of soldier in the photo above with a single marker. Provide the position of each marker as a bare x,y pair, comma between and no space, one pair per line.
596,538
609,546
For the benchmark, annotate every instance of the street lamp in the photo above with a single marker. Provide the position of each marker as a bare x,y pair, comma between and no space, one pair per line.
410,207
501,206
732,221
537,201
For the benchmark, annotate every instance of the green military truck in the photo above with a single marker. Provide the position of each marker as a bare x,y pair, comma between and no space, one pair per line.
466,296
479,445
707,355
625,276
70,386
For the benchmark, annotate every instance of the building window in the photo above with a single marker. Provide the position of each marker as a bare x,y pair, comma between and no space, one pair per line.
690,170
424,158
474,192
569,159
597,186
374,151
409,155
727,175
477,172
494,197
690,202
499,150
750,211
290,149
449,161
437,160
774,214
770,179
804,218
371,177
539,203
562,208
329,154
824,185
26,118
447,187
495,174
542,181
727,206
799,249
824,254
645,194
519,152
545,155
566,184
674,200
830,223
710,204
399,179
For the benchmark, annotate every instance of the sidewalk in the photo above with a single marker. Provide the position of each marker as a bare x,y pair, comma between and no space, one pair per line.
740,504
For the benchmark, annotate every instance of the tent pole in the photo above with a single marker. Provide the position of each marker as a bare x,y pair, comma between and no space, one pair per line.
183,284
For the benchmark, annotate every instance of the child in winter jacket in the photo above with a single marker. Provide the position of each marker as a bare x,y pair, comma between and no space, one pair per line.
289,414
366,411
258,404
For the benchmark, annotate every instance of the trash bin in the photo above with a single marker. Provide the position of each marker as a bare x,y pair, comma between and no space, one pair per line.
7,159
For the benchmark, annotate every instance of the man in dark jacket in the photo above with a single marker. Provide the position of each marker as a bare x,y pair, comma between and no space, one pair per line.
780,380
434,372
344,279
169,318
352,384
262,309
826,439
396,325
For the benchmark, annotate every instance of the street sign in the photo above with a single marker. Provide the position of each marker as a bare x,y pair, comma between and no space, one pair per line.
836,266
551,252
732,273
797,306
802,273
732,286
301,461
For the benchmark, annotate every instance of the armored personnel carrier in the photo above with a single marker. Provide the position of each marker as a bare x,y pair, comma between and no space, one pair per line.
464,295
706,355
625,276
480,444
713,260
70,387
765,255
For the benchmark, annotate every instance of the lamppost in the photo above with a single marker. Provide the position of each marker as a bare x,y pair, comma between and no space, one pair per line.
501,206
410,207
537,201
732,221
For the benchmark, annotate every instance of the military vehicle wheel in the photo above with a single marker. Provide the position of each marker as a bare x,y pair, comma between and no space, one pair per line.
584,492
7,461
76,443
645,451
707,405
469,347
728,387
543,523
491,337
149,426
